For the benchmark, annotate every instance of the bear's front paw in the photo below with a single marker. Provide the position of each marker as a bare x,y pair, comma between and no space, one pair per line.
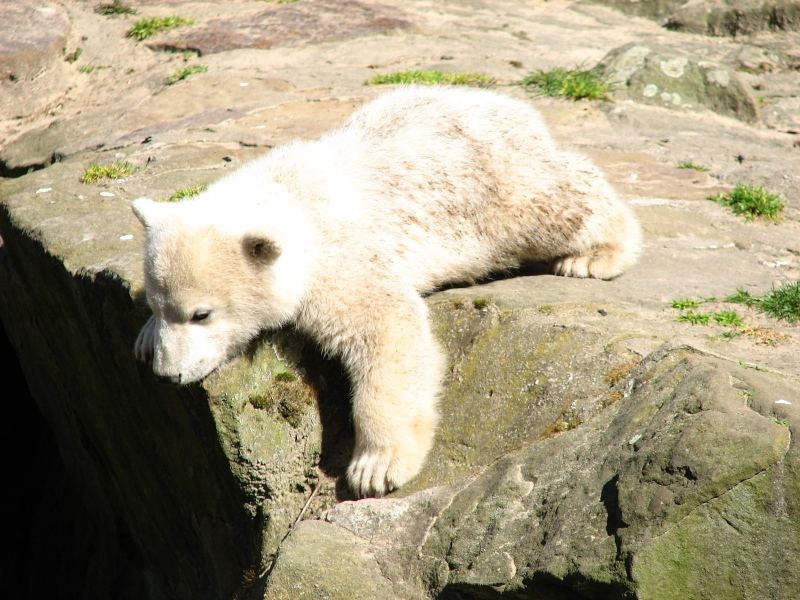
145,342
378,471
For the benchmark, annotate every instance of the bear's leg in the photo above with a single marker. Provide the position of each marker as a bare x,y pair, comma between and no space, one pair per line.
603,262
145,342
605,248
396,368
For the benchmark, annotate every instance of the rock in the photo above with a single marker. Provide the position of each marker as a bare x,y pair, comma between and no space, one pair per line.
651,9
236,452
757,60
326,562
673,79
715,17
724,17
31,65
288,24
661,496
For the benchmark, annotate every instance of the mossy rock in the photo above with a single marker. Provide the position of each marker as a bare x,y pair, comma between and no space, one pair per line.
673,79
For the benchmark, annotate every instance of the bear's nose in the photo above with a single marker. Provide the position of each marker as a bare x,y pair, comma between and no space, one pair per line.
175,379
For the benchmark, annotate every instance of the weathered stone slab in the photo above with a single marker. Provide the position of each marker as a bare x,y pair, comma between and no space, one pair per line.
31,70
716,17
673,79
666,495
307,22
33,36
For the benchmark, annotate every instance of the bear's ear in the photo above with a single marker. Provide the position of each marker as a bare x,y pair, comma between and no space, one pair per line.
147,211
259,249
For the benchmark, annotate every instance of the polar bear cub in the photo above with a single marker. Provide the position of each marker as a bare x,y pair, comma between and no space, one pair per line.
341,235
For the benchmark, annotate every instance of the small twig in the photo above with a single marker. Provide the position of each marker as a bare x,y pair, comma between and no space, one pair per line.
305,506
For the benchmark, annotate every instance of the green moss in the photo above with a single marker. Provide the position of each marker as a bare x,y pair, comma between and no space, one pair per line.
709,553
284,376
116,170
185,73
432,78
569,83
261,401
752,202
187,192
144,28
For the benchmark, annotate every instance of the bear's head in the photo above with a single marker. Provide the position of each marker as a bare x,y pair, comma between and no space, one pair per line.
214,278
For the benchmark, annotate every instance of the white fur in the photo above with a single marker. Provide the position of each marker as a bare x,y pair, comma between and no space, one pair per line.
421,187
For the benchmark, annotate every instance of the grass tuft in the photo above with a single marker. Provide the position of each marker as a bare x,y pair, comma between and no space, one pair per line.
185,73
116,170
695,318
728,318
783,303
687,164
480,303
432,78
752,202
569,83
685,303
114,8
186,192
144,28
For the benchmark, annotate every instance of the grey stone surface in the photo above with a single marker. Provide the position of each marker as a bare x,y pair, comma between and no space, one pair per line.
673,79
286,24
31,73
715,17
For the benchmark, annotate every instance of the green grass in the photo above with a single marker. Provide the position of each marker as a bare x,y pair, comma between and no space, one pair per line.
114,8
695,318
185,73
742,297
432,78
728,318
144,28
752,201
570,83
480,303
687,164
86,69
782,303
685,303
186,192
116,170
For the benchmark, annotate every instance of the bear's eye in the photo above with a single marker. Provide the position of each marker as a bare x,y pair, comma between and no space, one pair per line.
200,315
